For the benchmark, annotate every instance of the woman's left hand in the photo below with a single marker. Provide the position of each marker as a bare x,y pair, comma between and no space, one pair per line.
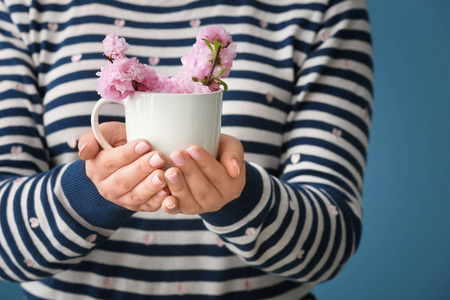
199,183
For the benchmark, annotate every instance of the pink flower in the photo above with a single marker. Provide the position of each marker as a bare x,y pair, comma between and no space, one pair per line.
210,60
198,63
182,83
203,64
123,77
214,32
163,85
214,86
149,81
226,56
114,47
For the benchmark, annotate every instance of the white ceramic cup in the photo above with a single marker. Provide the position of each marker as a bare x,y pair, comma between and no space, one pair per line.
168,121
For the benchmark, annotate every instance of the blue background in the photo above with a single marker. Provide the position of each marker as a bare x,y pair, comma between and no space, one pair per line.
405,249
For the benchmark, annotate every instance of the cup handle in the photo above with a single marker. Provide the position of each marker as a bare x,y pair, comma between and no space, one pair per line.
95,124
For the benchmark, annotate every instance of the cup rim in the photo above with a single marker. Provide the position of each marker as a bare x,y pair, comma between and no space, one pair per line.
174,94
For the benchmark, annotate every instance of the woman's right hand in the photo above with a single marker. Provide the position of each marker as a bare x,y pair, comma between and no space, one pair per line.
128,175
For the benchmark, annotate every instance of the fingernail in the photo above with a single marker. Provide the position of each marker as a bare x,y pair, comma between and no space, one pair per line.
174,178
141,148
162,193
82,147
156,160
177,159
194,153
236,164
171,206
156,180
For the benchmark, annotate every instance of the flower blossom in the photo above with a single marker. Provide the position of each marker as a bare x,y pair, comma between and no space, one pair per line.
211,58
203,69
123,77
114,47
182,83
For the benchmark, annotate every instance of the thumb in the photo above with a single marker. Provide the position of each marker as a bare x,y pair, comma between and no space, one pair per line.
231,155
113,132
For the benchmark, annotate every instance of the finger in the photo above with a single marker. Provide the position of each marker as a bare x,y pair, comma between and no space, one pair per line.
179,189
228,177
114,133
231,155
170,205
127,178
148,194
201,188
209,166
226,186
110,161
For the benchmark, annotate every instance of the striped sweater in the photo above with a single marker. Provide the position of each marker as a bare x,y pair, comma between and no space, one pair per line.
299,99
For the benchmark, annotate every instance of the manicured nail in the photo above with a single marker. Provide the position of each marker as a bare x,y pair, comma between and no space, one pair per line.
177,159
174,178
162,193
141,148
156,180
156,160
194,153
171,206
82,147
236,164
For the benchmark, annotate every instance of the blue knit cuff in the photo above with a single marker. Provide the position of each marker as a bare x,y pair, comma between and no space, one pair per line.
87,202
242,206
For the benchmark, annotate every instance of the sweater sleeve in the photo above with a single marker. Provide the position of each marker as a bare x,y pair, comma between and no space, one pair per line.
306,224
49,217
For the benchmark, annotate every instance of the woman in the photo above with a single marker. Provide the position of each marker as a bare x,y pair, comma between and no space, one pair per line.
299,105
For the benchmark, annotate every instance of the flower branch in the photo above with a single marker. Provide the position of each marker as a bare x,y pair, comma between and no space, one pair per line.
204,68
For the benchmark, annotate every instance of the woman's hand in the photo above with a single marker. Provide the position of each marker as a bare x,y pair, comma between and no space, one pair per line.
199,183
129,174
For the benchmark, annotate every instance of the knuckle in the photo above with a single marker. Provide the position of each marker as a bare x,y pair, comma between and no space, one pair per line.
135,198
219,178
147,185
202,193
109,165
151,205
90,171
121,182
129,154
105,194
143,167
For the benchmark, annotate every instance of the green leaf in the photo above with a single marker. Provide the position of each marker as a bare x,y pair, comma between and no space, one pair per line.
217,43
195,79
217,46
209,45
221,71
225,86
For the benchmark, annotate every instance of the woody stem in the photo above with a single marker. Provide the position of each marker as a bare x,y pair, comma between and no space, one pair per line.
208,82
108,58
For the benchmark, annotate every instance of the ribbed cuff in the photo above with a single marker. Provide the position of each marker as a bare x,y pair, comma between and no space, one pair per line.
87,202
242,206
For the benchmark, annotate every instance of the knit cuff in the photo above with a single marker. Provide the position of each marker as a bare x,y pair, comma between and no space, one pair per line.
86,201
